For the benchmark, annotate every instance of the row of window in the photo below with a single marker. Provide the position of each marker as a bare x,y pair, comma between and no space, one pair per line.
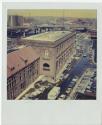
14,92
28,71
13,89
64,57
61,46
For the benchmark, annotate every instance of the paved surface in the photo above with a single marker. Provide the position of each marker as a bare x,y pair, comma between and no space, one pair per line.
30,86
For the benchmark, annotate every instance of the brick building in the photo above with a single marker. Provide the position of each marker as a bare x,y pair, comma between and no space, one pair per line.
22,69
55,48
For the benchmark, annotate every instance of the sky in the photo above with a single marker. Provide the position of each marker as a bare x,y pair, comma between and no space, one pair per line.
79,13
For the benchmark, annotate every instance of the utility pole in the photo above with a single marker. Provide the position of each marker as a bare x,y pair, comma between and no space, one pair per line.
63,19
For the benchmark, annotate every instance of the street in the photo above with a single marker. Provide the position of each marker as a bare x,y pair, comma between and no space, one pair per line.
77,70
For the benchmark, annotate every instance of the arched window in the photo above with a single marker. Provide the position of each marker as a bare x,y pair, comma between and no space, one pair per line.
46,66
57,65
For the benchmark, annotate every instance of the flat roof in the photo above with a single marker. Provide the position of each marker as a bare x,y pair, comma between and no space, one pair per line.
48,36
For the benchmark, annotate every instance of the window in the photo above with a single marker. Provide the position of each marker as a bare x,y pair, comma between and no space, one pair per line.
20,76
11,95
57,65
46,66
29,70
9,81
24,74
22,85
13,80
58,49
46,54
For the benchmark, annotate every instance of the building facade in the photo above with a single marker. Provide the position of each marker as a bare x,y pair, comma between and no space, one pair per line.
22,69
15,20
55,48
11,43
93,35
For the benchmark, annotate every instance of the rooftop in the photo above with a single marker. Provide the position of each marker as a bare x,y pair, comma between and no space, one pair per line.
19,59
51,36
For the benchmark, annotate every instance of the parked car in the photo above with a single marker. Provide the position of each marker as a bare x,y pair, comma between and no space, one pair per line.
74,79
84,55
54,92
65,71
26,97
62,97
35,93
65,76
68,91
42,89
72,84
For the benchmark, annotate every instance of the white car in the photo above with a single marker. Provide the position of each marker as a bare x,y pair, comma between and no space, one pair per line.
68,90
26,97
35,93
84,55
62,97
52,95
66,76
42,89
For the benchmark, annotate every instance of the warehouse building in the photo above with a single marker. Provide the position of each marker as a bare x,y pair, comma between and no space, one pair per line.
22,69
15,20
55,48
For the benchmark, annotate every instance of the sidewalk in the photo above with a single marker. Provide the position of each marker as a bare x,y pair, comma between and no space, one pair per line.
29,87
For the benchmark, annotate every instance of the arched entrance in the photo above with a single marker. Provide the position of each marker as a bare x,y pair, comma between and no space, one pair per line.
46,66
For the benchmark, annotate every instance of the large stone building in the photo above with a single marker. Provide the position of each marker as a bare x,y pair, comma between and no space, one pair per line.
22,69
55,48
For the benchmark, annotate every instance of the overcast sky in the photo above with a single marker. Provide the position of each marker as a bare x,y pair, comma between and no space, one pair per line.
79,13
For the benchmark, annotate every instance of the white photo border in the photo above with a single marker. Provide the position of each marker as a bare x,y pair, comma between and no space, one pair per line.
37,112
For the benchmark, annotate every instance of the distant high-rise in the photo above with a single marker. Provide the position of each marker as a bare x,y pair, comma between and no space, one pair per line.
14,20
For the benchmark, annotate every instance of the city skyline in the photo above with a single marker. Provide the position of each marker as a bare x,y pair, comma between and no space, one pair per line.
77,13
